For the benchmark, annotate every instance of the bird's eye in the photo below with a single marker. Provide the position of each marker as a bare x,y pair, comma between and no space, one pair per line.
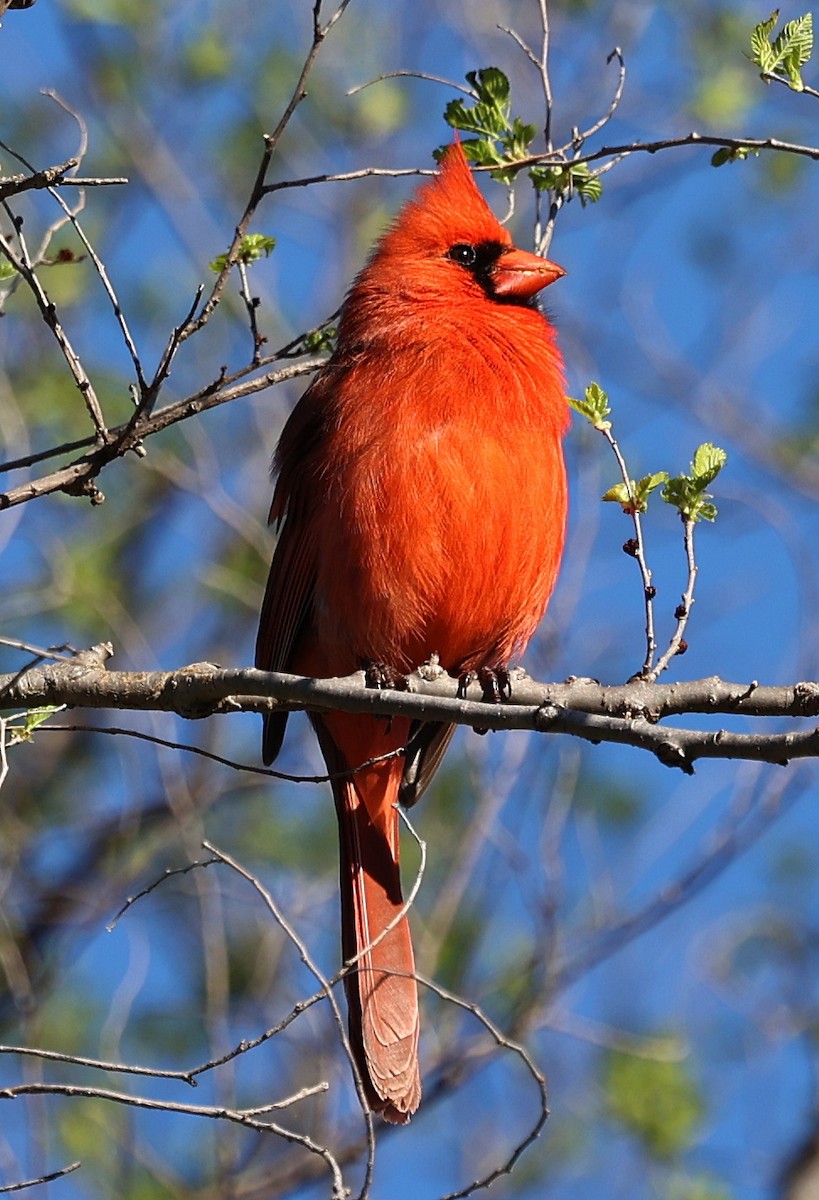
463,253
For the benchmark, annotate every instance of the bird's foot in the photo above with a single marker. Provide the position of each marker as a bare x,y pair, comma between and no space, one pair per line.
496,684
385,678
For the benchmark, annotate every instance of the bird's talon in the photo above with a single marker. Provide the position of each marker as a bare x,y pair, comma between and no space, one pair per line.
385,678
464,681
496,684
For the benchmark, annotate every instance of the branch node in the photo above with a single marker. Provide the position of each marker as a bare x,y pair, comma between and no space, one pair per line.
672,755
546,717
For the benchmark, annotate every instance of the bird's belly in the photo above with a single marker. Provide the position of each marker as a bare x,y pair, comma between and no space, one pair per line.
446,543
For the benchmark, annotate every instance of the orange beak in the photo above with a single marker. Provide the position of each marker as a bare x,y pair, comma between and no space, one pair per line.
521,275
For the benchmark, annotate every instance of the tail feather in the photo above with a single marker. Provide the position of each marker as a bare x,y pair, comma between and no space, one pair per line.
382,994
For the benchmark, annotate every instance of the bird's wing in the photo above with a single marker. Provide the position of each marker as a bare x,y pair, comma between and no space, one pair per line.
288,600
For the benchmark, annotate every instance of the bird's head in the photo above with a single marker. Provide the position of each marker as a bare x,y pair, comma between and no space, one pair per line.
447,238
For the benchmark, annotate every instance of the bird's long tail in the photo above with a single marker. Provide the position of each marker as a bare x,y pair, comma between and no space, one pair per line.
382,995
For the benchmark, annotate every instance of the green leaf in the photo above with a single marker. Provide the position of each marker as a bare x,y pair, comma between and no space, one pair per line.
622,493
633,497
500,139
594,406
785,56
707,464
687,493
728,154
34,718
761,52
569,178
252,247
491,85
7,271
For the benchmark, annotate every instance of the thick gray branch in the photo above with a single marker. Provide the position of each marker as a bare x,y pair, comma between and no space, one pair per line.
630,714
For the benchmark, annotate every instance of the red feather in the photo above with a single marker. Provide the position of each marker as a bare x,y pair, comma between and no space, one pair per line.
421,495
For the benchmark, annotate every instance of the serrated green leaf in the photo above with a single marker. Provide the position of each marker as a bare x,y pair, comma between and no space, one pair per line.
598,397
582,407
568,178
482,152
491,85
707,463
785,56
500,139
761,51
589,190
547,178
633,496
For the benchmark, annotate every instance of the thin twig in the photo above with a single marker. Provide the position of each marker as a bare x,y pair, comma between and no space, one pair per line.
99,267
168,873
615,101
803,91
18,1187
458,87
677,644
271,142
249,1117
326,987
251,304
77,478
351,176
544,73
636,549
39,652
80,1060
22,264
505,1043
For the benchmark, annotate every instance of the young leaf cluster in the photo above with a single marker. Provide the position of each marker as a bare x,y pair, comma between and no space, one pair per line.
633,496
594,406
687,493
783,56
252,247
500,139
569,177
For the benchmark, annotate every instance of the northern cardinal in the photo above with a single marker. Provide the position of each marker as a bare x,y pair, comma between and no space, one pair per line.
421,505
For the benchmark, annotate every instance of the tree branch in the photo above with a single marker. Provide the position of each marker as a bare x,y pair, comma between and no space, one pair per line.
627,714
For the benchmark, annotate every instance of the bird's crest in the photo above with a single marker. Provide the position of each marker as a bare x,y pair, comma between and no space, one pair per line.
444,211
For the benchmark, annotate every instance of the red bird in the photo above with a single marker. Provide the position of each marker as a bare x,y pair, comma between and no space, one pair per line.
421,502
